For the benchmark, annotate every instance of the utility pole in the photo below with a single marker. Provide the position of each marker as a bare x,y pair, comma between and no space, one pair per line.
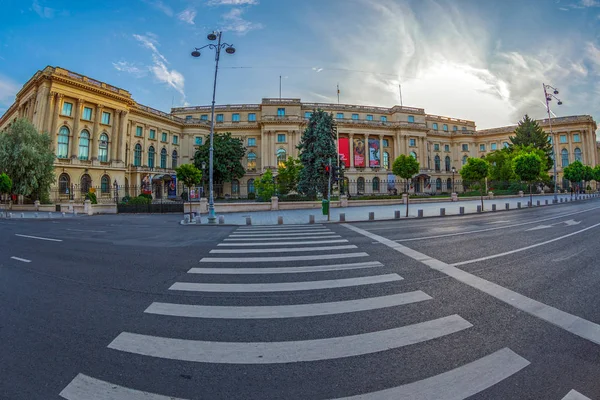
329,192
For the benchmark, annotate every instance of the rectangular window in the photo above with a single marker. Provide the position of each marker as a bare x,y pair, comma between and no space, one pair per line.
465,147
188,117
576,138
87,113
386,143
340,116
138,131
219,117
435,126
251,141
204,117
494,146
164,137
369,117
251,117
411,119
464,128
175,139
281,112
436,147
383,118
152,134
482,147
235,117
67,109
447,148
307,114
105,118
198,141
412,142
281,138
563,138
354,116
455,128
445,127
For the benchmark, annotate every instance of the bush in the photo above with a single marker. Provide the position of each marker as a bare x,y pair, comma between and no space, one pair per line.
145,195
91,196
140,200
252,196
126,199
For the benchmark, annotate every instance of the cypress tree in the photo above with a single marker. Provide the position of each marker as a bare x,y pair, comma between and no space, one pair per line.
529,133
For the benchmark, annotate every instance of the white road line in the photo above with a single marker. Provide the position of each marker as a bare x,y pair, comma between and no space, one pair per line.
495,228
575,395
274,229
291,311
37,237
283,258
284,286
524,248
284,234
456,384
86,387
271,238
287,352
282,227
571,323
286,270
284,243
85,230
283,249
21,259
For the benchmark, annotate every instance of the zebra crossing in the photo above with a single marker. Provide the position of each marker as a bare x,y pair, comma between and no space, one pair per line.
332,255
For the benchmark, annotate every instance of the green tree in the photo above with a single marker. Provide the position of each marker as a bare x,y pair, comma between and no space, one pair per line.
27,157
317,147
588,175
288,175
5,184
529,133
227,157
574,172
476,170
190,176
528,167
597,175
501,166
265,186
405,167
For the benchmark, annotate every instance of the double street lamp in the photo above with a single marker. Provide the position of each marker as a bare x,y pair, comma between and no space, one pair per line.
550,93
229,49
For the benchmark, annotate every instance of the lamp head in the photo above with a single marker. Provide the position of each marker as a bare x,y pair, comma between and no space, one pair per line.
559,103
555,91
230,50
195,53
453,169
211,36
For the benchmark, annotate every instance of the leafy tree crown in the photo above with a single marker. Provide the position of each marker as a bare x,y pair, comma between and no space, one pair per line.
227,157
405,166
188,174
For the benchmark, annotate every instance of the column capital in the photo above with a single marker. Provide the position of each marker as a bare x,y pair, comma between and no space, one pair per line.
60,95
51,94
80,101
100,106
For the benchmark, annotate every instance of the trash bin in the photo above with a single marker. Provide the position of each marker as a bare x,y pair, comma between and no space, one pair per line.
325,207
58,208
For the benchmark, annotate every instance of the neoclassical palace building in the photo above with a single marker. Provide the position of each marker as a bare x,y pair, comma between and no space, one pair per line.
102,136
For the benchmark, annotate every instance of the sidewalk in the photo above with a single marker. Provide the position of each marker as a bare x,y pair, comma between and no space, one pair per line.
38,215
354,214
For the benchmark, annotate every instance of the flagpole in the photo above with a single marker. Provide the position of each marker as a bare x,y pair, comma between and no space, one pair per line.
338,92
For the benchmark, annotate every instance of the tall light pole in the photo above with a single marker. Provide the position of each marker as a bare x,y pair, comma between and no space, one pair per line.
548,96
229,49
453,172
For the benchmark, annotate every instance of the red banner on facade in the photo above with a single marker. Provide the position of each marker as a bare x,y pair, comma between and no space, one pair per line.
359,153
344,150
374,160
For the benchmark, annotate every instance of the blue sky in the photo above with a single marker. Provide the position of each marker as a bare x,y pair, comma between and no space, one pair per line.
479,60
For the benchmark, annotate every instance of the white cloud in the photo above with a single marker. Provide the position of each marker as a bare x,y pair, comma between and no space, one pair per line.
47,12
159,5
232,2
130,68
187,16
150,42
593,54
234,22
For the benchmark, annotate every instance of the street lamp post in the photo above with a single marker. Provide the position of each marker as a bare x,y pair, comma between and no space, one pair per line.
548,96
229,49
453,172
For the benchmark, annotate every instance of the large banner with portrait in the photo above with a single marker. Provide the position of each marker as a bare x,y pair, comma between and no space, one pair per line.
359,152
172,187
146,184
374,160
344,151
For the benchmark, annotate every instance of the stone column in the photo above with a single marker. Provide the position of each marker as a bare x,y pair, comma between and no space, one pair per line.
55,115
96,132
422,152
75,135
31,106
367,155
114,137
571,153
122,134
351,143
48,116
263,149
381,152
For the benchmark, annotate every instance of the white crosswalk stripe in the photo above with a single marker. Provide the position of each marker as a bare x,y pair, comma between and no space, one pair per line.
286,270
250,238
311,233
284,249
575,395
284,243
282,258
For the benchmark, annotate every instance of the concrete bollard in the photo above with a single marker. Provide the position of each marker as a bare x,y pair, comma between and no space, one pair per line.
461,210
35,215
342,217
280,220
479,208
75,212
186,219
528,204
371,216
442,212
539,203
397,214
546,202
519,204
248,220
221,219
493,207
561,200
63,214
9,215
419,213
22,215
311,219
507,206
49,215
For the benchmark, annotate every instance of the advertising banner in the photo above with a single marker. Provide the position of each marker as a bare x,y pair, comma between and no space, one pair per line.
359,152
344,151
374,160
172,188
146,184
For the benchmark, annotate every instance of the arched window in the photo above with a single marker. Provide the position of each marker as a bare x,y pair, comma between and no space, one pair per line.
250,185
449,184
413,155
163,158
505,145
137,155
103,148
464,160
578,154
386,160
63,143
235,187
438,184
64,183
251,160
85,183
437,162
376,184
84,145
447,163
105,184
360,185
174,159
280,157
151,156
565,157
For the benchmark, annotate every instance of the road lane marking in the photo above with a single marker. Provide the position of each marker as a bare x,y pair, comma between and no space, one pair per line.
286,232
21,259
85,230
571,323
575,395
290,311
298,238
39,238
495,228
456,384
524,248
283,249
286,270
282,227
86,387
284,286
284,258
274,229
284,243
313,233
287,352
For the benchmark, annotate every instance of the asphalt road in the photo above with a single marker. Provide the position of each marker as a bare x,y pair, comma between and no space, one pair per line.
493,306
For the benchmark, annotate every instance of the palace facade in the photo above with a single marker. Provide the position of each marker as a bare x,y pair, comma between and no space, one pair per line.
103,137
